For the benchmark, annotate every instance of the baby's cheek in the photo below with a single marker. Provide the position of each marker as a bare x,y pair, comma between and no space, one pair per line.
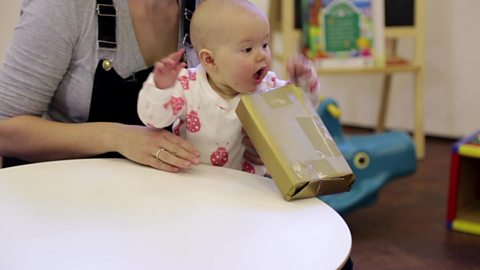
241,77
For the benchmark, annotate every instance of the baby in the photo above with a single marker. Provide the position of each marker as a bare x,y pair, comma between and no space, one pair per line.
231,39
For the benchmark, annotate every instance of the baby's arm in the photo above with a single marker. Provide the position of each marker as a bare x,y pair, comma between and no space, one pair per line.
304,74
162,98
166,71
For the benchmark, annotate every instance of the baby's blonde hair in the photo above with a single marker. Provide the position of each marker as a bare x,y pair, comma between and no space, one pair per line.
210,21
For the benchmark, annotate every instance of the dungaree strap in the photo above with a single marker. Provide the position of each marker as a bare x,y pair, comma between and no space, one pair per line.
106,14
114,98
186,9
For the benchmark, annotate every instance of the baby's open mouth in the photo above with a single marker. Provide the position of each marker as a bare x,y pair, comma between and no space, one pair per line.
258,75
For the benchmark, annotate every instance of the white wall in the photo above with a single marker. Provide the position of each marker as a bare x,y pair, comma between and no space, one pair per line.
451,67
464,72
452,78
9,13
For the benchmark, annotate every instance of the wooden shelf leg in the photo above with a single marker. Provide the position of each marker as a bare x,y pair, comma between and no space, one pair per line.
384,99
391,49
418,131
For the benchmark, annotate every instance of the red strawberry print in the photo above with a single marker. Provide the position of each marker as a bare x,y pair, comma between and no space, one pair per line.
219,157
247,167
192,75
184,82
176,103
193,122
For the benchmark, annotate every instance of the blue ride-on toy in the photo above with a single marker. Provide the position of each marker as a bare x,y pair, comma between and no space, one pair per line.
375,159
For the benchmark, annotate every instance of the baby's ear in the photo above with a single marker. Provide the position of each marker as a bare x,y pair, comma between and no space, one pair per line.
206,58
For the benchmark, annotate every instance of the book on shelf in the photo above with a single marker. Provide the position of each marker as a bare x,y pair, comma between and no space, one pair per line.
344,33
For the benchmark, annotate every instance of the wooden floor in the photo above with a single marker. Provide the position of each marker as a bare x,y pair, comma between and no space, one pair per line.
406,228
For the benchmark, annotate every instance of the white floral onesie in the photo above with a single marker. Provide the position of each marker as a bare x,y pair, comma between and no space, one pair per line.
202,117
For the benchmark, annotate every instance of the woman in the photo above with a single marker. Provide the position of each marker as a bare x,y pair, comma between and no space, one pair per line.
70,80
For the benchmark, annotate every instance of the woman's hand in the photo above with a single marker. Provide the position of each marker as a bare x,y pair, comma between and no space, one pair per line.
157,148
35,139
250,153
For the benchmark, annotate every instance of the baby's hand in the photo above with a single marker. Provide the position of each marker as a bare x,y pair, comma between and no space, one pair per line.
166,70
302,73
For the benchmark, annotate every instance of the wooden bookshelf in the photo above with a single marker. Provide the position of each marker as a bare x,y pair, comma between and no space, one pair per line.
282,19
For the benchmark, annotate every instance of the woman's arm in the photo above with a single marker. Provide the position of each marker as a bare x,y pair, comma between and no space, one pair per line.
35,139
38,57
36,63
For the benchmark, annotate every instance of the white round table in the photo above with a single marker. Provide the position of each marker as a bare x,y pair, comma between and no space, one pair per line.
114,214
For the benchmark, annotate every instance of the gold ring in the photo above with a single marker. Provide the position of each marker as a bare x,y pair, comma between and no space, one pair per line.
157,154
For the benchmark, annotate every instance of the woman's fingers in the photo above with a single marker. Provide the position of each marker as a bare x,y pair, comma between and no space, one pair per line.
180,148
160,165
157,148
252,156
246,140
175,153
173,158
250,153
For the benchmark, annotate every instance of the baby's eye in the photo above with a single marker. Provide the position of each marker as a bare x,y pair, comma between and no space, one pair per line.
265,45
247,50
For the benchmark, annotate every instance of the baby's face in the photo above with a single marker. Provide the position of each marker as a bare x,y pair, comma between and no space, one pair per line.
244,57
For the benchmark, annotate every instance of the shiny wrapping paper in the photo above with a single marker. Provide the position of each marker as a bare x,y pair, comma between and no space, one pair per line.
297,149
